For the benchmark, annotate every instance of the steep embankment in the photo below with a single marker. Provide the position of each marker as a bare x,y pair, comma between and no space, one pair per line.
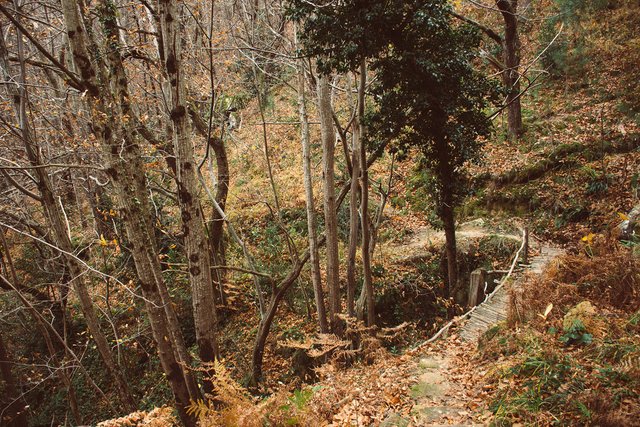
577,165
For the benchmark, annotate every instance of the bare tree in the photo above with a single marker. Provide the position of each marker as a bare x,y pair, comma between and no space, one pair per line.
330,216
56,218
314,254
196,244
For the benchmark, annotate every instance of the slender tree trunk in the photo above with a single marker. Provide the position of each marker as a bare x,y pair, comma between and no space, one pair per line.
367,294
354,226
216,228
510,75
265,144
216,238
265,324
311,214
330,215
217,222
354,216
448,220
14,407
196,244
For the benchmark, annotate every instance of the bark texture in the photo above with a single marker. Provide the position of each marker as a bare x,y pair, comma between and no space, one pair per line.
510,74
195,239
330,216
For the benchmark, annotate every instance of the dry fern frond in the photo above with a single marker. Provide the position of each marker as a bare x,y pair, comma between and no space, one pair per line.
227,390
630,364
610,278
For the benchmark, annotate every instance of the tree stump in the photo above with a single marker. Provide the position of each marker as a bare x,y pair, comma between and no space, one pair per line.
477,285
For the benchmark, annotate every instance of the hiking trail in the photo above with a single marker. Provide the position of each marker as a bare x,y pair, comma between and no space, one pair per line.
443,381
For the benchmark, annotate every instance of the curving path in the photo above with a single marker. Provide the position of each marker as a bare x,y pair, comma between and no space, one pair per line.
444,388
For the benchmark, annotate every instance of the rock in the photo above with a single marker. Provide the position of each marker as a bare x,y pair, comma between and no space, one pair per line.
629,229
395,420
587,314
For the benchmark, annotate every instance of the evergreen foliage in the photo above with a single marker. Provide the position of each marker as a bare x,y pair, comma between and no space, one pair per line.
427,92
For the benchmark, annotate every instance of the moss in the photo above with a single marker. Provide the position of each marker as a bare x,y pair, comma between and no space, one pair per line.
428,364
567,155
423,389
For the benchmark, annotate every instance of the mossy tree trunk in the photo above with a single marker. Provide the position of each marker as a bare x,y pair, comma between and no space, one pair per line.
195,239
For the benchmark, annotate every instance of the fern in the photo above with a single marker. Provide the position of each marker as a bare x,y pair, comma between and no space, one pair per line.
199,409
630,364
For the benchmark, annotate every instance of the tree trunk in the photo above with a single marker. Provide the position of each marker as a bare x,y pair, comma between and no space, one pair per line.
14,407
364,208
267,320
367,295
448,220
195,240
314,253
217,222
330,214
216,228
354,226
510,74
126,171
450,236
446,199
354,204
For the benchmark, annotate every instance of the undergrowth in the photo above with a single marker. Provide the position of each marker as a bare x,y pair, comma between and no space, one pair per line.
569,353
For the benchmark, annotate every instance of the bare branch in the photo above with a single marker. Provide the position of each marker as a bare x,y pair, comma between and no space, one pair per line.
73,79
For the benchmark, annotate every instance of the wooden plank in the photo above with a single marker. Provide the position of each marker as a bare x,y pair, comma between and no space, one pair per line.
476,287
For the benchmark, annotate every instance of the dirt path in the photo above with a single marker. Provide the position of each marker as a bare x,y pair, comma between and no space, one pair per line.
425,237
445,390
442,387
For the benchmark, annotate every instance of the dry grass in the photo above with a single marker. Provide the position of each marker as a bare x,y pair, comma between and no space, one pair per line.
576,373
605,273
